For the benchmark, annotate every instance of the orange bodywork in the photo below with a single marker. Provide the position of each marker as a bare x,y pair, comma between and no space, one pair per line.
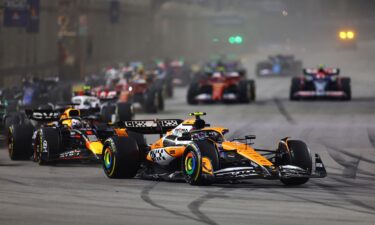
121,132
124,96
247,152
241,148
207,166
157,144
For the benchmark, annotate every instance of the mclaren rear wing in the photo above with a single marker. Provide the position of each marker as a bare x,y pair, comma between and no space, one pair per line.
159,126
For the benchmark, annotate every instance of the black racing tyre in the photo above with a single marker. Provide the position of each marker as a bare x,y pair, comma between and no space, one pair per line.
192,162
151,101
10,120
141,142
19,142
121,157
252,90
244,92
295,86
299,156
107,112
16,118
139,138
346,87
160,101
124,111
169,88
47,146
192,92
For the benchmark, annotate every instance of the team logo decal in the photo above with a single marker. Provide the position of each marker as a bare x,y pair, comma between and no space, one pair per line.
160,156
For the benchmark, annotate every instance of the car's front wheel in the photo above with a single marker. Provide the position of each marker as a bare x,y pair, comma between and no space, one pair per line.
19,142
199,162
299,155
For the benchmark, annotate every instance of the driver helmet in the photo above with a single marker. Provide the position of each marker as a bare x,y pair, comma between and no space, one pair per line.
322,68
76,124
201,135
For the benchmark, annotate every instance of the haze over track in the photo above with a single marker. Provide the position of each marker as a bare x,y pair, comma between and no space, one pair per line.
342,132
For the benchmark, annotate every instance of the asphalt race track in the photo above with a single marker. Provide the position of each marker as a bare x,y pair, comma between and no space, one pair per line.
343,133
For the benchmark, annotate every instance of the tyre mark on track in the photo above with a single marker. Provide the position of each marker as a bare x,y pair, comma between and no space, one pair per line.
344,196
283,111
323,202
371,137
195,205
350,166
364,189
350,154
145,195
14,181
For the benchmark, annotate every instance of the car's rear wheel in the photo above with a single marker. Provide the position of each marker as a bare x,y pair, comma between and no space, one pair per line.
169,87
252,90
107,113
294,88
47,145
10,120
345,83
193,91
121,157
193,162
141,142
244,92
19,142
160,101
151,101
124,111
299,155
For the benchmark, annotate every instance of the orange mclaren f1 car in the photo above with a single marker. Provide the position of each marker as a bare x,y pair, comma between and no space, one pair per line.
198,153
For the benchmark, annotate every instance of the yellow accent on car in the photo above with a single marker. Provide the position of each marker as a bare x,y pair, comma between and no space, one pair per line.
67,123
96,147
189,121
197,114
